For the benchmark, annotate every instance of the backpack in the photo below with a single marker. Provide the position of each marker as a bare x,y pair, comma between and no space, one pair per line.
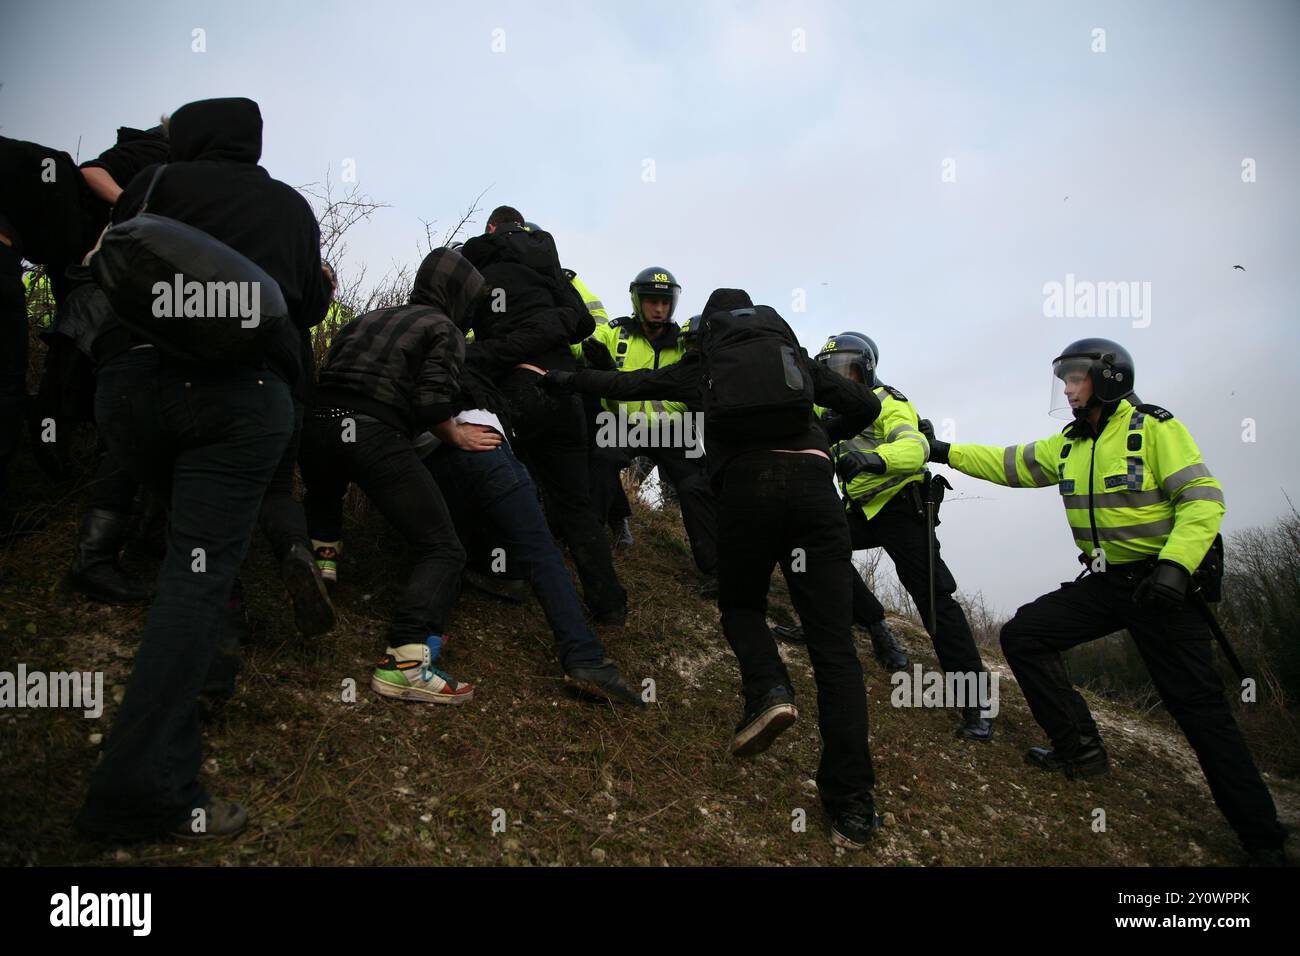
187,292
756,386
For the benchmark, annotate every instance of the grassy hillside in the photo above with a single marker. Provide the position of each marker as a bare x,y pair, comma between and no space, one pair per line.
381,782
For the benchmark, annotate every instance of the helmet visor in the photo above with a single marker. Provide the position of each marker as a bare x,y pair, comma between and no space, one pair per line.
844,363
1071,386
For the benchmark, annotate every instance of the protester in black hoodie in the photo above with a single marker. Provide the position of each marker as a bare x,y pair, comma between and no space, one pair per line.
777,505
389,375
208,439
527,287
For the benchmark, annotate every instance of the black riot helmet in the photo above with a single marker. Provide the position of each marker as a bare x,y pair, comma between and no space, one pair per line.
654,280
1109,366
690,335
847,351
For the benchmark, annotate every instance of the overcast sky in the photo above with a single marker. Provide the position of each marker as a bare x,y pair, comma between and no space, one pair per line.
905,165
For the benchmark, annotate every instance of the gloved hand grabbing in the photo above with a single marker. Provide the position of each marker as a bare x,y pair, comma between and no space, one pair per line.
557,382
938,449
596,355
1165,588
855,463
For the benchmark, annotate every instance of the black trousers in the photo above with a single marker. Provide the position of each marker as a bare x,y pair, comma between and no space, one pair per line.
384,464
901,532
1175,645
282,519
551,440
694,493
780,508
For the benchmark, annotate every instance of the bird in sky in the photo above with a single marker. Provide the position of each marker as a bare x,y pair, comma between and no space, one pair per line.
1242,268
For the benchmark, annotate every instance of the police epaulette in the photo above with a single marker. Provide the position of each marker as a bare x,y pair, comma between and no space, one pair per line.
569,274
1156,412
616,323
895,392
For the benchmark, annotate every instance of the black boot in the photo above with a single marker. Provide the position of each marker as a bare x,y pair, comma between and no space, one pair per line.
312,611
888,653
94,569
1089,760
975,727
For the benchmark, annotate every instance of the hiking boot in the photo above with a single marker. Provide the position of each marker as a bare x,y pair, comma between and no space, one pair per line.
602,681
788,632
407,673
220,819
764,721
622,534
885,646
853,826
327,561
1090,760
95,572
312,611
514,590
975,727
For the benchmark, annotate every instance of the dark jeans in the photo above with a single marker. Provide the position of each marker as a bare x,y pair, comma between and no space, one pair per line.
282,519
694,493
114,488
386,467
207,439
551,440
1175,645
13,361
493,488
901,532
771,504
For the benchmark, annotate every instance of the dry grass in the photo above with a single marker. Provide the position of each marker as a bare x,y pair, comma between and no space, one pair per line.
378,782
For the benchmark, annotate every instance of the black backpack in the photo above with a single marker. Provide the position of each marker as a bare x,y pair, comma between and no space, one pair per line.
756,385
147,252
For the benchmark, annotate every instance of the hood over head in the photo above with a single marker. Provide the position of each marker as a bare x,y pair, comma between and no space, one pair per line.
228,129
724,300
447,281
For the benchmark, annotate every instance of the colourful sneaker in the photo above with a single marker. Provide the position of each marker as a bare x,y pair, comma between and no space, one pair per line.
407,673
327,559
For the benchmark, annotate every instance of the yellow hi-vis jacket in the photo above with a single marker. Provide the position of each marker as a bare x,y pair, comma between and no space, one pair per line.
632,351
1139,490
593,304
893,436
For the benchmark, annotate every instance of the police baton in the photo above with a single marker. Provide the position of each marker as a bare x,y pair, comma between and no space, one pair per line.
1207,613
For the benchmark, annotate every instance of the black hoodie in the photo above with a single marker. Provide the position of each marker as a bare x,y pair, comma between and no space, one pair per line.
406,365
527,289
213,183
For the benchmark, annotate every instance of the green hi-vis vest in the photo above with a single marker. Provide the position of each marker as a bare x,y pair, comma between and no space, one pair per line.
593,304
632,351
895,438
1139,490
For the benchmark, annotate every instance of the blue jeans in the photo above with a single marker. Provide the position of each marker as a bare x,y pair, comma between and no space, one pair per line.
207,440
495,486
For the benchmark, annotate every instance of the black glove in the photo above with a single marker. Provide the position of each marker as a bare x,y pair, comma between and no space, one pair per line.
557,382
1164,588
938,449
855,463
596,355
